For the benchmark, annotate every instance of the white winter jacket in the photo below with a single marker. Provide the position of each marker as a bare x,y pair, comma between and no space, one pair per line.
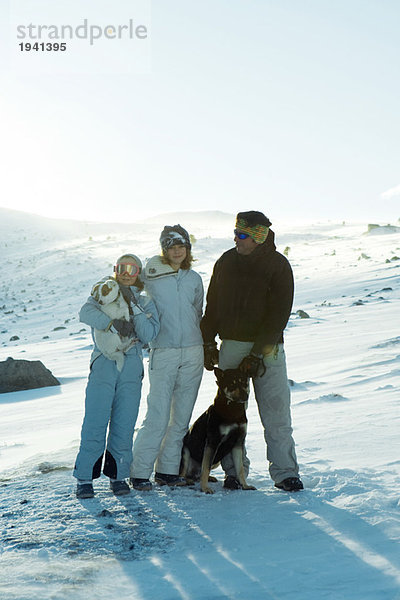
178,296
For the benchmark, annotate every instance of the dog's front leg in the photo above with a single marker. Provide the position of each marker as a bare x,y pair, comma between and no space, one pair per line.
237,456
185,461
208,455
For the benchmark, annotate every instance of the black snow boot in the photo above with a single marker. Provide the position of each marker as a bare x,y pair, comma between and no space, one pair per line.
119,488
231,483
84,490
168,479
291,484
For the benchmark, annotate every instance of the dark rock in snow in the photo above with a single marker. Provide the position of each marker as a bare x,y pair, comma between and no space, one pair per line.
16,375
302,314
48,467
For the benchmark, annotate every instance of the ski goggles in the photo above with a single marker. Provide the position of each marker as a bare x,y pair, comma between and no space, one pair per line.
131,269
240,234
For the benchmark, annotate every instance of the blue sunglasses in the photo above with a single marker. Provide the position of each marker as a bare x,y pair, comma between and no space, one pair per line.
240,234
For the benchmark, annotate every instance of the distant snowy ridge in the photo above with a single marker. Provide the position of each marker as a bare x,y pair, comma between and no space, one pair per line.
14,218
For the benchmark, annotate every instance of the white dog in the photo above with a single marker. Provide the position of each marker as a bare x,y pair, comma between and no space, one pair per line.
114,305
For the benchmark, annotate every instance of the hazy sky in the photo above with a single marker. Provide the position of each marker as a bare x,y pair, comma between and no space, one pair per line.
285,106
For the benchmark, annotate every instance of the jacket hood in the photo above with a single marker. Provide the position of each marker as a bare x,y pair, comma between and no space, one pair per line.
155,268
270,241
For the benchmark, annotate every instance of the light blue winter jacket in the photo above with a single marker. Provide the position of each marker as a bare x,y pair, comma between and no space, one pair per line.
178,296
145,320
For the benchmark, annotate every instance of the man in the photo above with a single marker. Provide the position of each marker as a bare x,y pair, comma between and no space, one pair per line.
249,301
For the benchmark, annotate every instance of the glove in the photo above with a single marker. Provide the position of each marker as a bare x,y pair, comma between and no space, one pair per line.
211,355
251,365
124,328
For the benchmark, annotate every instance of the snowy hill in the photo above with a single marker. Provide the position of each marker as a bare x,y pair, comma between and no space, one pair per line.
336,540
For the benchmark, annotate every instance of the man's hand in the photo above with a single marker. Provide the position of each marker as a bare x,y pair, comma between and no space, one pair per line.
211,355
124,328
252,364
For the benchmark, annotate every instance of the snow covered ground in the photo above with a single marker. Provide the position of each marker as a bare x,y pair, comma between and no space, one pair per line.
336,540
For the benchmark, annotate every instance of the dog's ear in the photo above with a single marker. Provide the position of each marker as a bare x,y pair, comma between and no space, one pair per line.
218,373
95,291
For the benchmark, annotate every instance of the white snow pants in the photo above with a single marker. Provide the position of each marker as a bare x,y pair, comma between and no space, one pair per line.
175,375
273,399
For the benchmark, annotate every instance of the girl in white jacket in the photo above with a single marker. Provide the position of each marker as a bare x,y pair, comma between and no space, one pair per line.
176,361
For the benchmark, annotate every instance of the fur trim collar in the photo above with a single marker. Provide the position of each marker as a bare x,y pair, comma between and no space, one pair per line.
156,268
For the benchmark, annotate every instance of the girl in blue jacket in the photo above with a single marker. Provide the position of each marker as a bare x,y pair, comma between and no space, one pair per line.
113,396
176,361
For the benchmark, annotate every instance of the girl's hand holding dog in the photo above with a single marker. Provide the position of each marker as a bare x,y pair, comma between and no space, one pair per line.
124,328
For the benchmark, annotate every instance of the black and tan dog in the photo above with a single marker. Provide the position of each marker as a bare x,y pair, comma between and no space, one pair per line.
218,431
